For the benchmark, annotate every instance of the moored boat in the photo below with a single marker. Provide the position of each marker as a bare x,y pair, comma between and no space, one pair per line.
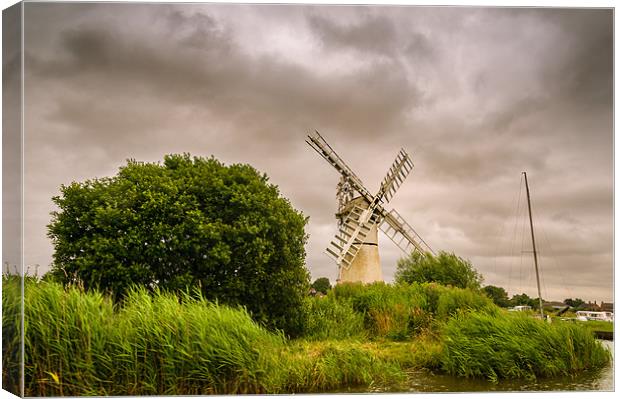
586,315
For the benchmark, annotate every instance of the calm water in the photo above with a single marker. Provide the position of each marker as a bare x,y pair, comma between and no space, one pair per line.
424,381
603,380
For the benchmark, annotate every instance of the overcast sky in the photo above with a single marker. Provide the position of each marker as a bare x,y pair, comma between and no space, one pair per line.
476,96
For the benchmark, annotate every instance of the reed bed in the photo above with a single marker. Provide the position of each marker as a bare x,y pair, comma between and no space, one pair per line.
324,366
11,333
357,338
329,318
78,344
517,346
404,311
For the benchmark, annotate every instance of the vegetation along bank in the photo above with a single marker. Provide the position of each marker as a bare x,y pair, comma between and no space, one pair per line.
357,337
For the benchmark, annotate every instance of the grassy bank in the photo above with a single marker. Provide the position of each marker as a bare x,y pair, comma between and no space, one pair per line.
605,326
81,344
357,338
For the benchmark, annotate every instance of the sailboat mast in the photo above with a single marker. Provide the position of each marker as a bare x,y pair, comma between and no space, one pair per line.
529,207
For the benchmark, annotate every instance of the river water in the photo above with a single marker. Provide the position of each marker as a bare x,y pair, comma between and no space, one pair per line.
602,380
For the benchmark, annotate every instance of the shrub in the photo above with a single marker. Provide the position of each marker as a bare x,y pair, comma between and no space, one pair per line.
322,285
189,222
445,269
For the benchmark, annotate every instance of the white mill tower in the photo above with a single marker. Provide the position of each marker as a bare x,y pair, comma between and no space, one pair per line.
361,214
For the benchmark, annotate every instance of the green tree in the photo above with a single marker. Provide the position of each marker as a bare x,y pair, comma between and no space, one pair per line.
523,299
187,222
498,295
574,303
445,268
322,284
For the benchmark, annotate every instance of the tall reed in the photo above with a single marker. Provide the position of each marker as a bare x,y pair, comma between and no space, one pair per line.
404,311
80,343
11,333
77,344
329,318
333,365
517,346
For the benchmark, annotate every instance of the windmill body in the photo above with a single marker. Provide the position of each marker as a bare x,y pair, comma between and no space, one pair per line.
361,214
366,265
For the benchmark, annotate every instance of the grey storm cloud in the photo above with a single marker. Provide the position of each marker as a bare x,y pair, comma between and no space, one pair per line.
372,35
201,66
475,95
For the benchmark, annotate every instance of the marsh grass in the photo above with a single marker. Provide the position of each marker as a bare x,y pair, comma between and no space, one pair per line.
11,333
311,366
394,312
357,338
78,344
596,325
328,318
403,311
517,346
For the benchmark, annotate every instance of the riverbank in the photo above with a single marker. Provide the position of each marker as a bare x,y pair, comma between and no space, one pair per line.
357,339
601,379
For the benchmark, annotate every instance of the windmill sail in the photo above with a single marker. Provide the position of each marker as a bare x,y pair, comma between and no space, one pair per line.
402,234
361,217
351,235
396,175
326,151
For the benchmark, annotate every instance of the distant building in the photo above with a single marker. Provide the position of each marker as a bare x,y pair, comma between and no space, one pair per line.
607,306
590,306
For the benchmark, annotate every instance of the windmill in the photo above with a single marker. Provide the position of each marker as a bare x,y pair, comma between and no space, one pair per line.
361,214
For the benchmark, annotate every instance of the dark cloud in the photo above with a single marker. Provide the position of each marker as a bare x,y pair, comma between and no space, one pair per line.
225,80
419,48
476,95
580,70
373,34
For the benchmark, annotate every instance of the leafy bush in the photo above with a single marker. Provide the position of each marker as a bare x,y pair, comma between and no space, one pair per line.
498,295
445,269
322,285
189,222
517,346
